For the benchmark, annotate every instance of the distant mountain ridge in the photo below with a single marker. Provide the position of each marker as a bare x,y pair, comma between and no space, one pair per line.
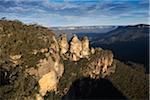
129,43
81,27
70,30
126,33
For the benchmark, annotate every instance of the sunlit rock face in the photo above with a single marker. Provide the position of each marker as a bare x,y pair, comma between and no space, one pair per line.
75,48
105,59
49,70
92,51
63,44
48,82
54,47
85,47
34,63
102,64
80,49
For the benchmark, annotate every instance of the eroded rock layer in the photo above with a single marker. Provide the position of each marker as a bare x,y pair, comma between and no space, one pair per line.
33,61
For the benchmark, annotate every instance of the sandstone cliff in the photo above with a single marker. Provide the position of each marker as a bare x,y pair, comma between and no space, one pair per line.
44,62
41,56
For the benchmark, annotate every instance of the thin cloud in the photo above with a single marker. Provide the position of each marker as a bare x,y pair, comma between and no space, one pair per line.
69,12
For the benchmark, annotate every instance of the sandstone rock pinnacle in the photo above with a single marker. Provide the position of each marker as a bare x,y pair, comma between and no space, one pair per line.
75,47
85,47
63,44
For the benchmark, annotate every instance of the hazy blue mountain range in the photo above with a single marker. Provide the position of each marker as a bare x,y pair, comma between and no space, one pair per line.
85,29
129,43
124,34
70,30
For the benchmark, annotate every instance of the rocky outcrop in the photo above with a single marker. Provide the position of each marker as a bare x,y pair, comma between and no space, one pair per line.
85,47
48,82
34,64
81,49
75,48
49,70
92,50
100,65
63,44
97,65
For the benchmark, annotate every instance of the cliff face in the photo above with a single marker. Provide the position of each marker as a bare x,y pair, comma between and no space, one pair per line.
33,53
49,69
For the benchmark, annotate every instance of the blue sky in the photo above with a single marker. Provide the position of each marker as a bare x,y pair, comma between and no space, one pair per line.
76,12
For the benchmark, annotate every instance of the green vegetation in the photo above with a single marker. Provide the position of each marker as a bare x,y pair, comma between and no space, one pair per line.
131,81
17,38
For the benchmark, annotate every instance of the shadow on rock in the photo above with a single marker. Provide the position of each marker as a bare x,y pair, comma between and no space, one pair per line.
4,77
87,88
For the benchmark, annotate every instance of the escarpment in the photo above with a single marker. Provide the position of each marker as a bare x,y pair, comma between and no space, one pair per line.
37,63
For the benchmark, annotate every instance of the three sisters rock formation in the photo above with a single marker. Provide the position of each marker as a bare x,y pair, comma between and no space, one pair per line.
42,56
